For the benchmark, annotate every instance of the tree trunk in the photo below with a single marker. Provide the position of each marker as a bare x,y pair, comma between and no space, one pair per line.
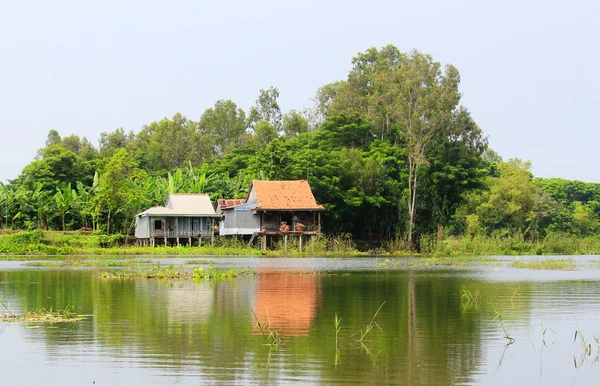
108,223
62,216
412,199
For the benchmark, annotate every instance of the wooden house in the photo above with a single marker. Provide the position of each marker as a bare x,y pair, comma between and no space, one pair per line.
275,209
185,219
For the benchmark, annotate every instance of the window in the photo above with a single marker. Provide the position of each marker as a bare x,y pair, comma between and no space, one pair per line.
157,224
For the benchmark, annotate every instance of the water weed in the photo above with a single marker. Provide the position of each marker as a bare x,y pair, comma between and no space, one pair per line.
549,264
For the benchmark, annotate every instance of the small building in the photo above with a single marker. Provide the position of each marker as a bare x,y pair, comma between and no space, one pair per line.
276,209
224,204
185,219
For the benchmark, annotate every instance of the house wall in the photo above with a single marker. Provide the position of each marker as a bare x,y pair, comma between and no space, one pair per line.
252,195
239,222
142,227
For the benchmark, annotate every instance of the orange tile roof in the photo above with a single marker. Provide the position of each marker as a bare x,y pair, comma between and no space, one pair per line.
284,195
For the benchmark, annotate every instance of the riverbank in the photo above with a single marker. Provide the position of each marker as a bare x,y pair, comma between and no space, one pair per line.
43,243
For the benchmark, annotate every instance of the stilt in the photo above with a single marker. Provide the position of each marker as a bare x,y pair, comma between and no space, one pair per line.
190,241
264,242
212,240
200,241
300,242
285,243
165,241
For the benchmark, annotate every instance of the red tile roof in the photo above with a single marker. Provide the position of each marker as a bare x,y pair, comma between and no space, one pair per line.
284,195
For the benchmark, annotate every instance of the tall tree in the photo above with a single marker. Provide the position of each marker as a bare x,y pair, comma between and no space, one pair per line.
225,124
266,108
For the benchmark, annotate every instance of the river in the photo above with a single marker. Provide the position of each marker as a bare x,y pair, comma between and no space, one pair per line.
520,330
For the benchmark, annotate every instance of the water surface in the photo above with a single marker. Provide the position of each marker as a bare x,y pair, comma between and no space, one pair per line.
188,332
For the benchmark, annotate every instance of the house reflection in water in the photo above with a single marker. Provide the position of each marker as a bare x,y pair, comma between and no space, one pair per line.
288,301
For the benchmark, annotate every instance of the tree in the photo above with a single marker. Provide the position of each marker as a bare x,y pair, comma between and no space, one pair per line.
225,124
266,109
294,123
264,132
411,102
116,187
63,201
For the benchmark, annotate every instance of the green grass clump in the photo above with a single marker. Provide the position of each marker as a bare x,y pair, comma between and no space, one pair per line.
549,264
159,272
449,261
211,273
40,316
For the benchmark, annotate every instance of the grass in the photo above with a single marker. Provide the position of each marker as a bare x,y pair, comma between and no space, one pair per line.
449,261
159,272
498,316
547,264
272,337
469,299
99,263
40,316
502,242
363,333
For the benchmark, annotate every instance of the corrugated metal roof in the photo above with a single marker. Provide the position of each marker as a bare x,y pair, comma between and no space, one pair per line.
284,195
198,205
228,203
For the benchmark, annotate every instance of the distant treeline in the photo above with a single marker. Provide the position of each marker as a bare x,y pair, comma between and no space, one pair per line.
389,152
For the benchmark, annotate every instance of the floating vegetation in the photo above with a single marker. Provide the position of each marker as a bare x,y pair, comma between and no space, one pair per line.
198,262
212,273
158,272
40,316
549,264
450,261
87,263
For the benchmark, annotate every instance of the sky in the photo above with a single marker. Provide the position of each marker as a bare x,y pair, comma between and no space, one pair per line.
528,68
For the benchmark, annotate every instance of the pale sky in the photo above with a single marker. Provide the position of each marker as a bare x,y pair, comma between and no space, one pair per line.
528,68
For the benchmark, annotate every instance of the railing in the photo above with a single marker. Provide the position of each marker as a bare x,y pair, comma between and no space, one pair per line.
182,234
307,228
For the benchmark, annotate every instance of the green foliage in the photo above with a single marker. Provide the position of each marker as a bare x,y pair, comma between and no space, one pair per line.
389,151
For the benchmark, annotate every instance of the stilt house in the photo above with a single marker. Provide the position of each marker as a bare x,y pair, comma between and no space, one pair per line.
185,219
276,209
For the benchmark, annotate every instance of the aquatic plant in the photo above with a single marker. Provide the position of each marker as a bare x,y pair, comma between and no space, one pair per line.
363,333
468,298
41,315
272,339
549,264
498,316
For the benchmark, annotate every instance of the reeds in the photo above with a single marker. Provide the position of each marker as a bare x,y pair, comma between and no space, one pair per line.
363,333
469,299
498,316
272,338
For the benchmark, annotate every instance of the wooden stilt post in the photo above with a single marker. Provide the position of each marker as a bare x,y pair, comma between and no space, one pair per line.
200,241
300,242
285,243
264,242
